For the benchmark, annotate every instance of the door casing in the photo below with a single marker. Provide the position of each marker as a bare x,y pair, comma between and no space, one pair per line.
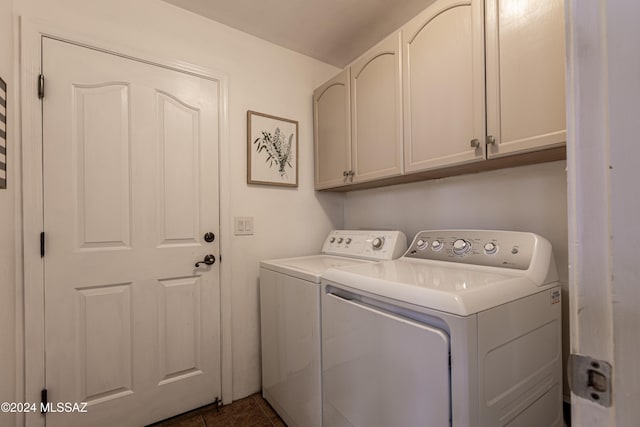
30,302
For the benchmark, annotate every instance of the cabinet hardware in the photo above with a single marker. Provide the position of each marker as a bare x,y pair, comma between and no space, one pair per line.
475,143
491,140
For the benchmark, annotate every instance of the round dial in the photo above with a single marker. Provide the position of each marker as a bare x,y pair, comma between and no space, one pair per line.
333,239
422,244
377,243
340,239
490,248
348,240
461,247
436,245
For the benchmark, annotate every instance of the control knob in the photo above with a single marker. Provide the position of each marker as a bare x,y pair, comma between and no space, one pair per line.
340,239
422,244
461,247
348,240
490,248
333,239
377,243
436,245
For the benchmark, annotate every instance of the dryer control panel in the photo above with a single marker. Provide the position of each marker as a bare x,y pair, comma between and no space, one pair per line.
506,249
368,244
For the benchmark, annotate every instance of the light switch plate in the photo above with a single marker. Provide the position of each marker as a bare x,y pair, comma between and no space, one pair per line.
243,226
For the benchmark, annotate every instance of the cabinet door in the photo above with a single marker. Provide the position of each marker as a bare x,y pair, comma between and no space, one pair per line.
376,112
443,56
332,131
525,75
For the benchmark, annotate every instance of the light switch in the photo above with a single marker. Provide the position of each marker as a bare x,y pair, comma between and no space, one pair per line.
243,225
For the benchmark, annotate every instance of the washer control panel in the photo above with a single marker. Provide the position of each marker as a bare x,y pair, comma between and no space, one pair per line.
506,249
369,244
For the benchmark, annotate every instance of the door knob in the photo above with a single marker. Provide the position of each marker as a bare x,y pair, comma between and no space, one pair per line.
208,259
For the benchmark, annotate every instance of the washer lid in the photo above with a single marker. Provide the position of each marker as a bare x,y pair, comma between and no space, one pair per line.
310,267
461,290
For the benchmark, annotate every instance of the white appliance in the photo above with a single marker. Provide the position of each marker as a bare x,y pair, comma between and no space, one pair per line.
290,319
463,330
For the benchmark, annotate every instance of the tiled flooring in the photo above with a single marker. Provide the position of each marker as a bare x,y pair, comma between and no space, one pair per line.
252,411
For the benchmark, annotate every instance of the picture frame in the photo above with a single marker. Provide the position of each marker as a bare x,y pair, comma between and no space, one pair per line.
272,150
3,134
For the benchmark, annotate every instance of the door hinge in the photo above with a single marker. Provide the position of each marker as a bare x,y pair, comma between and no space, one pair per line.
42,244
590,379
41,86
44,401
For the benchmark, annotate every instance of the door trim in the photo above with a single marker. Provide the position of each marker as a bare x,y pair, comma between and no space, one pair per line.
30,302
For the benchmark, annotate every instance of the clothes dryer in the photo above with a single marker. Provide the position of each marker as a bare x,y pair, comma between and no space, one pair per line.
463,330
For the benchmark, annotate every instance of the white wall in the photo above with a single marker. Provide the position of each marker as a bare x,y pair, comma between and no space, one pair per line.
531,198
7,242
262,77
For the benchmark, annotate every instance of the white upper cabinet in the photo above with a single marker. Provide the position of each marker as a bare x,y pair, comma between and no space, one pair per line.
376,112
463,81
525,75
444,104
332,132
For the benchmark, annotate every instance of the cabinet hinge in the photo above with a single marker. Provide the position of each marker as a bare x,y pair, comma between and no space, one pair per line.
42,244
41,86
44,401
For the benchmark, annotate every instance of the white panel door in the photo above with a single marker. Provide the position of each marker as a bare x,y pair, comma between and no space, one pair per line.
376,112
443,56
130,188
525,75
380,369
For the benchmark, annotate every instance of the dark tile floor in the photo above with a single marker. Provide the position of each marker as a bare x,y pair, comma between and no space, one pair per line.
252,411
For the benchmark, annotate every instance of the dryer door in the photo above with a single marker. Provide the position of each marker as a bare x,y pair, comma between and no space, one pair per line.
380,369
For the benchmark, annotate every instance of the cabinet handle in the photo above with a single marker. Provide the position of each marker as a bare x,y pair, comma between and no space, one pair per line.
345,173
475,143
491,140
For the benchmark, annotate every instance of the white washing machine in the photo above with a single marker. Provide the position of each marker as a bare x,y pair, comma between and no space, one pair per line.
463,330
290,319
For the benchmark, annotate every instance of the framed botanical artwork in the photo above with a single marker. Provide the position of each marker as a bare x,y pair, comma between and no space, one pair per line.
272,150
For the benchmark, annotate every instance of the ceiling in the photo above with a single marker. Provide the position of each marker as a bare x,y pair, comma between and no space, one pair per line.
333,31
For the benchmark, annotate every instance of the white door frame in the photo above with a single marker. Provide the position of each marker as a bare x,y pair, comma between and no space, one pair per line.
31,305
602,110
588,198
